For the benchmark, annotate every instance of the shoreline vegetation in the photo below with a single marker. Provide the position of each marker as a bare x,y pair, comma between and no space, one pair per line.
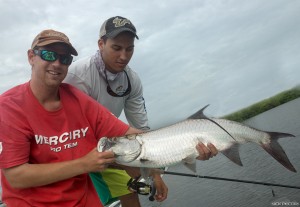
264,105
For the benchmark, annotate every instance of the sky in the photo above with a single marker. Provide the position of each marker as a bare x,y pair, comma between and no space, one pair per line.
226,53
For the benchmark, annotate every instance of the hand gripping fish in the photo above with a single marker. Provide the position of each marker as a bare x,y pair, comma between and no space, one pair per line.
177,143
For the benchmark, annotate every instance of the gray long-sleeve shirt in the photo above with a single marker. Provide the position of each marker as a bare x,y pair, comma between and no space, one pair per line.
85,75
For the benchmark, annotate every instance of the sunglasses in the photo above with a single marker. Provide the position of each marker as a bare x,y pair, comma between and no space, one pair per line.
51,56
112,93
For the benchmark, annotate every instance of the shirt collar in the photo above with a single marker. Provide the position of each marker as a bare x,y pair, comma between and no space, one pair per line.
101,67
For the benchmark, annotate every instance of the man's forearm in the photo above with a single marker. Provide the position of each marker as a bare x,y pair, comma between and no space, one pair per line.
32,175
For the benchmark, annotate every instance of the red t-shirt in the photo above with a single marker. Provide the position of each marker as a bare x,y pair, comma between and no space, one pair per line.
30,134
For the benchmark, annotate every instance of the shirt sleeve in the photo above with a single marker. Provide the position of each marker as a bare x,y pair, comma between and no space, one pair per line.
135,108
76,77
14,146
108,125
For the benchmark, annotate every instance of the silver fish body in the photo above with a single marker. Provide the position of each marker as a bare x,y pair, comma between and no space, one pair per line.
177,143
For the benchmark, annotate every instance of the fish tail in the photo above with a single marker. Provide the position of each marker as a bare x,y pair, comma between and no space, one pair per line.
276,151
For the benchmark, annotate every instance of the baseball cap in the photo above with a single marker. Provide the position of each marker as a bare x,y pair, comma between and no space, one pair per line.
49,36
115,25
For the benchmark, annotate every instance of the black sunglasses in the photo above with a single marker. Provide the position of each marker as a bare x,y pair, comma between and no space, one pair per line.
110,91
51,56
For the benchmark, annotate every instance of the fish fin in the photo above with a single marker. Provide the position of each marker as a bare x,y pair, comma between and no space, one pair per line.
276,151
200,115
233,154
191,166
278,135
190,163
221,128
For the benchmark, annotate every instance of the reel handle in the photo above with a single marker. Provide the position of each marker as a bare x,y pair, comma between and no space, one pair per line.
153,192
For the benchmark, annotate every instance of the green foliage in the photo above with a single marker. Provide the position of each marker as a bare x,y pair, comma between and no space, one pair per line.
264,105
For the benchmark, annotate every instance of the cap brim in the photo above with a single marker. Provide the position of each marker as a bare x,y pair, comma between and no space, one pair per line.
115,33
48,42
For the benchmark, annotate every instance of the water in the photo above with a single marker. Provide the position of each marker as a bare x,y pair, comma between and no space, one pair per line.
258,166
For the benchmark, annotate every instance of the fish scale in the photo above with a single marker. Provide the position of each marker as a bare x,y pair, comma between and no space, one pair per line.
182,140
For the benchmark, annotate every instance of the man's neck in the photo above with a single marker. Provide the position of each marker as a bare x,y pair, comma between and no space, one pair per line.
48,97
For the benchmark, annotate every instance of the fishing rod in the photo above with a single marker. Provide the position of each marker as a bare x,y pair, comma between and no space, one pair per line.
229,179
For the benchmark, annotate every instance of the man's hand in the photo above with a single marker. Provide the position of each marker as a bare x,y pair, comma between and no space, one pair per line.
161,188
96,161
206,152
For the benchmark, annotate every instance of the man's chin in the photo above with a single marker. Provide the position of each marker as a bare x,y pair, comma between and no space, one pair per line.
117,70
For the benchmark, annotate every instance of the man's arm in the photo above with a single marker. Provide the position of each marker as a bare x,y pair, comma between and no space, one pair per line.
32,175
132,130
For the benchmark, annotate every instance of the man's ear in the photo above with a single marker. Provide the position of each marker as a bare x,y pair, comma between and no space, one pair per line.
100,44
30,56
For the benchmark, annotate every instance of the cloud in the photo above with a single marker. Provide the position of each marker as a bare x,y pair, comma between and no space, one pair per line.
226,53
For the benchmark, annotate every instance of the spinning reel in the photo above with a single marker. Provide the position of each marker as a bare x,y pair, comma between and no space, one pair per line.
136,186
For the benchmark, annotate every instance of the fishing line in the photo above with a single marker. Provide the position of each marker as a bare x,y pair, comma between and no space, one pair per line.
229,179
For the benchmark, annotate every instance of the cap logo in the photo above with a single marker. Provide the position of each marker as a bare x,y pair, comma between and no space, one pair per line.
120,22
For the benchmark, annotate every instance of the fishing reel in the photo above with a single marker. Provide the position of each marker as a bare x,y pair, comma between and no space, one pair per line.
135,186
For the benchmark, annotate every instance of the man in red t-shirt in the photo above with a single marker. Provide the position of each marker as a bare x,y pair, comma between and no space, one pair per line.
49,131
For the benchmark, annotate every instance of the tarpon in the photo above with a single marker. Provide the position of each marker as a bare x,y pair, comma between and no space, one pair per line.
177,143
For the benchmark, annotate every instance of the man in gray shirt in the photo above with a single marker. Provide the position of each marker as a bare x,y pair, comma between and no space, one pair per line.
107,78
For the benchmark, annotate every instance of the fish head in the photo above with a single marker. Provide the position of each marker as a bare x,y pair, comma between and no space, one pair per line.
125,149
